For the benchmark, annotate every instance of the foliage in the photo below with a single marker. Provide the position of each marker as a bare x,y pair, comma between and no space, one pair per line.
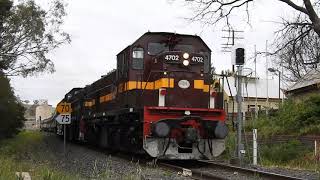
293,155
230,144
282,153
293,117
28,33
11,111
5,6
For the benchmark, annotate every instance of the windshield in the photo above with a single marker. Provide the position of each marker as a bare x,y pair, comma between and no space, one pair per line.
183,47
157,48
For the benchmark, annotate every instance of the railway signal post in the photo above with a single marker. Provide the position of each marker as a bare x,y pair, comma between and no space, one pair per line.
64,117
238,56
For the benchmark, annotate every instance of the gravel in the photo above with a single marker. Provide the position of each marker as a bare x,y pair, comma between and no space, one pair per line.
303,174
91,164
310,175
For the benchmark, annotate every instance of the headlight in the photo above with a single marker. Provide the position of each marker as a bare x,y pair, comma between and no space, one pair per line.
185,55
186,62
161,129
221,130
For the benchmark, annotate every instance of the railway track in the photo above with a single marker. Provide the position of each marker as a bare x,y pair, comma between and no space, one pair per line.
208,170
201,169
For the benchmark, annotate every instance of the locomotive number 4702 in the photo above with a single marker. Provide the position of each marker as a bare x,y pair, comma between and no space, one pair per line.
172,57
197,59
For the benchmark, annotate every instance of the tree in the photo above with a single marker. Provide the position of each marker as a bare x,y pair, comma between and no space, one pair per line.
11,111
296,43
296,48
28,33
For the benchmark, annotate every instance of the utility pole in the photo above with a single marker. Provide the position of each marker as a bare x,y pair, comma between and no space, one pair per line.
255,83
267,74
238,61
239,114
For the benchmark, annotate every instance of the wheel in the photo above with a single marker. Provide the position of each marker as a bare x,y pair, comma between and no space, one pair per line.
103,140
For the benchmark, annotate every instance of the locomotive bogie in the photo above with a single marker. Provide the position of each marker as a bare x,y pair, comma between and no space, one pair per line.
162,148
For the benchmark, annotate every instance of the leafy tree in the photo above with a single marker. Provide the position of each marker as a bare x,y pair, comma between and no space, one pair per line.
28,32
11,111
296,44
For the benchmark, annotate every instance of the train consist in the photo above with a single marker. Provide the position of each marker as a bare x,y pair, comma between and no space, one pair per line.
160,100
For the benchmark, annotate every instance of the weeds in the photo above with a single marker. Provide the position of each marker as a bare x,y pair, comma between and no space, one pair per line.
293,117
21,154
282,153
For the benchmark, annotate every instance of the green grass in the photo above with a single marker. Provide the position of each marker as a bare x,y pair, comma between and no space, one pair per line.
21,154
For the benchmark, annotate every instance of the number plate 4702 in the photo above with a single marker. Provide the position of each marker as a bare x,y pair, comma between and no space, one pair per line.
64,118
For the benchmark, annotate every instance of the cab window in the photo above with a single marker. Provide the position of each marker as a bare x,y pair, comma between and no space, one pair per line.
184,47
157,48
137,58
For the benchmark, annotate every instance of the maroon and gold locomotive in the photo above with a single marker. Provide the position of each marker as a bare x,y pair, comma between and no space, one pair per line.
160,100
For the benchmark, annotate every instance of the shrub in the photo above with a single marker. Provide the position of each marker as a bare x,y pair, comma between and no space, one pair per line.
11,111
293,117
282,153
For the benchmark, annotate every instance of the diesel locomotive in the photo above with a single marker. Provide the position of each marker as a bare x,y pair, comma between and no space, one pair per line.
160,100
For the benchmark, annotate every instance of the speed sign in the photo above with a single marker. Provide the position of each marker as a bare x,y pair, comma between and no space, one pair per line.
64,108
64,118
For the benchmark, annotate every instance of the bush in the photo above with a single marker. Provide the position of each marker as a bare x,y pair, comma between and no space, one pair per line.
293,117
282,153
11,111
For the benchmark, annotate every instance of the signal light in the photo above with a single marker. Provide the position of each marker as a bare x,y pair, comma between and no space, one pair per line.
163,92
240,56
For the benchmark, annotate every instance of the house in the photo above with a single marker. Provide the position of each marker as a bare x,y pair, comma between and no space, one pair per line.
37,112
309,84
257,93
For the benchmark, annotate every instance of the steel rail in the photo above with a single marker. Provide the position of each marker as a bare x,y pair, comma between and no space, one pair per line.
195,174
251,171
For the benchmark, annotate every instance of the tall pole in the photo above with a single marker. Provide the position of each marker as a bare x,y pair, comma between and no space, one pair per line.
239,115
255,82
267,74
279,89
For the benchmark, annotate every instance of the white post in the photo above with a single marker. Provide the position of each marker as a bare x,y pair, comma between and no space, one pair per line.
315,148
255,149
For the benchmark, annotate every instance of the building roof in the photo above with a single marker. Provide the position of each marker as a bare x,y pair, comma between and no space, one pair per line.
249,88
311,78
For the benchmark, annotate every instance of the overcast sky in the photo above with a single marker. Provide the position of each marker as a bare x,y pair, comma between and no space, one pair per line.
100,29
